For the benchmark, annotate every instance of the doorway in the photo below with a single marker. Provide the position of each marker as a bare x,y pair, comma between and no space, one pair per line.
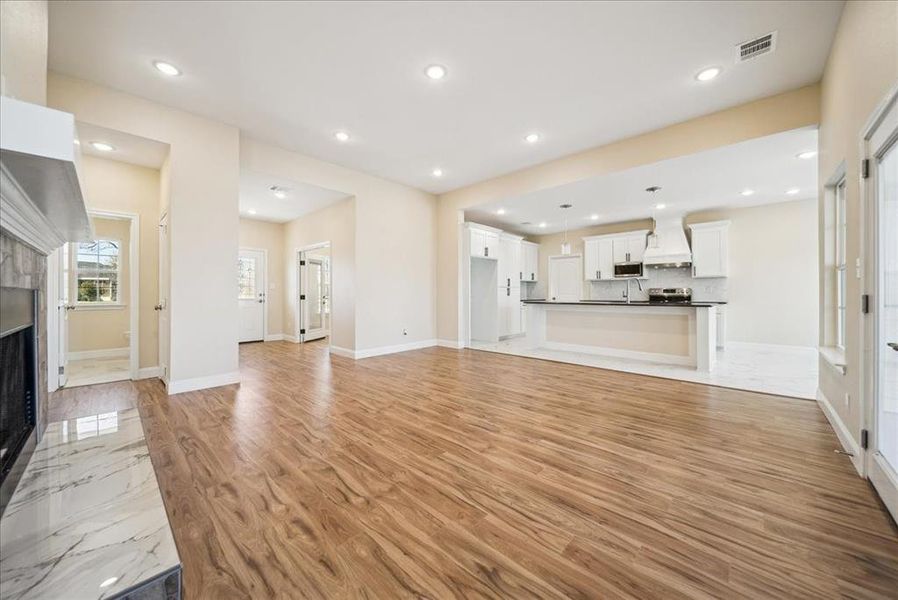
880,190
98,295
314,294
252,277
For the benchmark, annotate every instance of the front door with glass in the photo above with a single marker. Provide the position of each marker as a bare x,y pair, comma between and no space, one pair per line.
314,296
251,294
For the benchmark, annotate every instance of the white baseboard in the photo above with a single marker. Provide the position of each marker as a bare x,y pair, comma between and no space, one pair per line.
456,344
845,437
344,352
149,372
291,338
274,337
380,351
104,353
200,383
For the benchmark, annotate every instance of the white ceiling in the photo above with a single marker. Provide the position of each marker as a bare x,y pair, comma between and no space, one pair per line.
302,198
128,148
580,74
711,179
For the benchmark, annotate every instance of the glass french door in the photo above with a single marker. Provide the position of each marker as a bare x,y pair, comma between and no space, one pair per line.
882,182
314,296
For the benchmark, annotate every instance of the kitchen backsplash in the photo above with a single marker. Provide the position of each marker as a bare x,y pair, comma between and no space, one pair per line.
705,290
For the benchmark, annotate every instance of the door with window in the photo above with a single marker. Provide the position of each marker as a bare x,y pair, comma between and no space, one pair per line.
251,294
881,186
314,296
63,306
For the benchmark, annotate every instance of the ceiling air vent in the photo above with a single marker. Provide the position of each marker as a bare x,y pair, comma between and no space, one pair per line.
756,47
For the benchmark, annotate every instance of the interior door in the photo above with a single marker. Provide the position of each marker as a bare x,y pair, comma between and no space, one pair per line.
882,462
161,307
251,294
315,296
564,278
63,306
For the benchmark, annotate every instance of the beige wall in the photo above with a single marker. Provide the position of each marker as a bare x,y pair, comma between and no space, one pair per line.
335,224
262,235
392,269
783,112
772,283
862,66
203,172
107,328
23,49
121,187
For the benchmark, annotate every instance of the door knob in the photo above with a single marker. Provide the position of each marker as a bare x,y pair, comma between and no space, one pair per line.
157,307
70,307
893,345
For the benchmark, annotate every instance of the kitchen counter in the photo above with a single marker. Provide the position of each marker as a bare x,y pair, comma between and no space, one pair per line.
87,519
674,333
635,303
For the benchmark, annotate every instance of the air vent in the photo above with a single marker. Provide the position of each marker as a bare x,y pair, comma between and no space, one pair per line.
756,47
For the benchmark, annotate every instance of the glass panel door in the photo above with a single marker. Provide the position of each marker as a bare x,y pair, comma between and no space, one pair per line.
887,348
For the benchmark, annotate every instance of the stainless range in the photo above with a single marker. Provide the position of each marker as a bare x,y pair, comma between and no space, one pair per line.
670,295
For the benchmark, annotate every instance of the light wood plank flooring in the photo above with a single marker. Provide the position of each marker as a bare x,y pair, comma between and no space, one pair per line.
440,473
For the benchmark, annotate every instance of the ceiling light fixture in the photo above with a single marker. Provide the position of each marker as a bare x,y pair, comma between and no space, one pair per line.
531,138
792,191
708,74
501,211
594,217
108,582
435,72
806,154
747,192
167,68
660,206
77,142
251,211
278,192
438,172
102,146
341,136
542,225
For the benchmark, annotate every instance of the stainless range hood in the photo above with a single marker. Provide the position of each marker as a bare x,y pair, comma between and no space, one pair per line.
667,245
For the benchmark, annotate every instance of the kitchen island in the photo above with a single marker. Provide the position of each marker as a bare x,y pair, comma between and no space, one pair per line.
681,333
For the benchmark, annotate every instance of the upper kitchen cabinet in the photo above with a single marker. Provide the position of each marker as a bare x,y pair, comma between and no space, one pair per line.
629,247
709,249
529,270
484,241
598,258
510,268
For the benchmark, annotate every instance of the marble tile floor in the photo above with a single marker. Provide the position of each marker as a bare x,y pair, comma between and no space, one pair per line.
87,518
767,368
89,371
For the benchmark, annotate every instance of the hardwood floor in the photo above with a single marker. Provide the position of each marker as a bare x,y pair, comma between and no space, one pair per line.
440,473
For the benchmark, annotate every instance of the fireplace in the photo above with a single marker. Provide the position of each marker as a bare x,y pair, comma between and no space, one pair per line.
18,385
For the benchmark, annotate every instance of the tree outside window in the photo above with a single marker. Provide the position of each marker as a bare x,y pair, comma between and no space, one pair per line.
98,270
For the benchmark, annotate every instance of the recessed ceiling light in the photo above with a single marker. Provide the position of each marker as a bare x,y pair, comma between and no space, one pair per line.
278,192
108,582
708,74
531,138
660,206
341,136
747,192
102,146
167,68
251,211
807,154
438,172
542,225
77,142
501,211
792,191
435,72
594,217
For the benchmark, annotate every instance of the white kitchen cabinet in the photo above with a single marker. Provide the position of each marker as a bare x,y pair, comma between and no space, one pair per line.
484,242
529,270
629,247
509,301
509,260
710,242
721,326
598,259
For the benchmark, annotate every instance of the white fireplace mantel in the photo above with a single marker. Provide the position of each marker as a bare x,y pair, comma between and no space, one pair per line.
41,202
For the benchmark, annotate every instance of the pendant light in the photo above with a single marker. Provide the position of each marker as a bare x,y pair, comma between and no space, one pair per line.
565,245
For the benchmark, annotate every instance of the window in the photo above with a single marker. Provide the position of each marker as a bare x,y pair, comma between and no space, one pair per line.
840,266
246,278
98,272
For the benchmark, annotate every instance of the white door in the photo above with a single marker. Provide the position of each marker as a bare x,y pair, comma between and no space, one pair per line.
707,255
63,306
314,296
251,294
162,303
565,278
882,457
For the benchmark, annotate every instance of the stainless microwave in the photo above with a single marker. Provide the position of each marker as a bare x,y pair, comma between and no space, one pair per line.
628,269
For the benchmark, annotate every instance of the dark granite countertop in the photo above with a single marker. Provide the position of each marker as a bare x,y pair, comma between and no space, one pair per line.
625,303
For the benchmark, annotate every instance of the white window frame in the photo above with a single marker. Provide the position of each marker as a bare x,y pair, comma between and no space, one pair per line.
74,273
840,262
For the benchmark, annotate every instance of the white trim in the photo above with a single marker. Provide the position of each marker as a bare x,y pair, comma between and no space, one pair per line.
382,350
200,383
149,372
455,344
885,480
22,219
834,356
52,307
274,337
848,444
290,338
99,306
264,252
344,352
104,353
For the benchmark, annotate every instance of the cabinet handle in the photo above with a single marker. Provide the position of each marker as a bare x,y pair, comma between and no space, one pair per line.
486,251
532,277
520,274
508,291
628,257
693,270
509,281
597,275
